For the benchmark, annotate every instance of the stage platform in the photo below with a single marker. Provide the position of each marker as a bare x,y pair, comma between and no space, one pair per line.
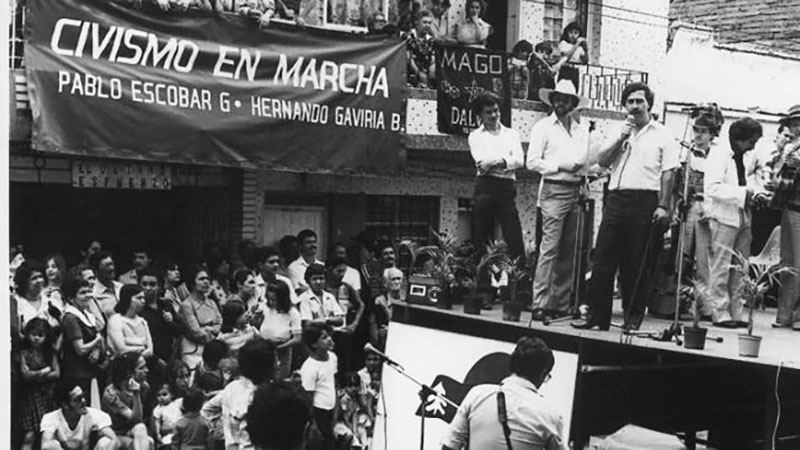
711,396
779,346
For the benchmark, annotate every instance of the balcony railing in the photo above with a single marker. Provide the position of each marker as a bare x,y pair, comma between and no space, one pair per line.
603,85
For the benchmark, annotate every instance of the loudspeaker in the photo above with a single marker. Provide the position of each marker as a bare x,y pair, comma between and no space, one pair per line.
423,290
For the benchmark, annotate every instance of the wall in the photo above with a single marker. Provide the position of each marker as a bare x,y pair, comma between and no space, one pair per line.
700,70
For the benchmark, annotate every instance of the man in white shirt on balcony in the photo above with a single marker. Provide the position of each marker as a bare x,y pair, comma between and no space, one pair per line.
733,187
559,150
497,152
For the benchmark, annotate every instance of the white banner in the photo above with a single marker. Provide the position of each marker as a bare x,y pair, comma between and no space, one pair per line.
449,363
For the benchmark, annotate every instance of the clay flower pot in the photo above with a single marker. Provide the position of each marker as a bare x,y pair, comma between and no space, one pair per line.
749,345
695,337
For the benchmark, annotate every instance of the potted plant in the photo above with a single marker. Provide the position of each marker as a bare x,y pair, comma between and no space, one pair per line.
695,336
451,264
497,261
756,278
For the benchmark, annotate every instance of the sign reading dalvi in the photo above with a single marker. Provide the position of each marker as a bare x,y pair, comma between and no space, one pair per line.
463,73
116,175
212,89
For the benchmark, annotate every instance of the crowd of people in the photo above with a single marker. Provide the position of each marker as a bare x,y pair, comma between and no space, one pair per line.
169,355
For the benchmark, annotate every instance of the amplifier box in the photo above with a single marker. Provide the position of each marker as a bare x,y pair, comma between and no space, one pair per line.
423,290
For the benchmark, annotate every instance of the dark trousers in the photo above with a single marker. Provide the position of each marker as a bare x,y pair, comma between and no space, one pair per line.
621,244
494,200
324,420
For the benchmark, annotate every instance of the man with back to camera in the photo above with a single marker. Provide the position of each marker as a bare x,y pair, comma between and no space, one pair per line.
532,421
642,157
497,152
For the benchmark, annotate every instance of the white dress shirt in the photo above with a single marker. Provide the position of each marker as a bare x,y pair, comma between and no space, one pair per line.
297,272
724,198
503,143
645,155
552,144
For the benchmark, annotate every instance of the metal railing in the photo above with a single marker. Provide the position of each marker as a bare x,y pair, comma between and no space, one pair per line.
603,85
16,42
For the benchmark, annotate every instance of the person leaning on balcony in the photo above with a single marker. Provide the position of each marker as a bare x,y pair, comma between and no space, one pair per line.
310,13
733,187
642,157
518,73
789,151
558,151
473,31
440,27
421,56
497,152
542,72
573,48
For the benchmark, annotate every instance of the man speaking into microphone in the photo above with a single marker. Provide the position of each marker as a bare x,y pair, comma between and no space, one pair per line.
642,158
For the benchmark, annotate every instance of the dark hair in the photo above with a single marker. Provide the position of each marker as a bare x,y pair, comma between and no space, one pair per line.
208,381
543,47
240,276
39,324
148,272
744,129
480,2
61,263
123,367
283,299
214,264
62,390
531,358
125,295
23,275
381,245
422,13
215,351
191,274
313,331
305,234
72,286
572,26
95,259
231,312
638,86
522,46
257,360
278,415
288,247
335,261
484,99
175,366
193,400
262,254
314,270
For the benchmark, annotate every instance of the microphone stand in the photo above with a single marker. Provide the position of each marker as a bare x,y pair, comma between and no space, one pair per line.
424,393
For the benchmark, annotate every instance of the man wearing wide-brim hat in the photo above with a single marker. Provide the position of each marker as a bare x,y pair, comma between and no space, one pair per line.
559,151
789,153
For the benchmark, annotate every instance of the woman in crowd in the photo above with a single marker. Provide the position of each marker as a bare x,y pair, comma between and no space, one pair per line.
282,326
236,331
200,316
55,272
127,330
393,278
122,400
29,279
473,31
573,51
245,293
174,291
84,348
219,271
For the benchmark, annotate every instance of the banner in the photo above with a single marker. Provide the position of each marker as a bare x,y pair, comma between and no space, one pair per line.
451,364
463,73
107,81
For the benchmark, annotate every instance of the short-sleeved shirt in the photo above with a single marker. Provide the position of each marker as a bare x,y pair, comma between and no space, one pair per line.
191,432
115,401
27,311
77,438
167,416
312,308
564,47
279,327
318,377
645,156
106,297
75,366
534,423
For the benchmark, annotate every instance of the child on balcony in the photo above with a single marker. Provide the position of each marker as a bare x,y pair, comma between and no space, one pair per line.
573,49
518,72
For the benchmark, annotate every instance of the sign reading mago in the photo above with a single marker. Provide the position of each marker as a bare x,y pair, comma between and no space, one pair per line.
199,88
463,73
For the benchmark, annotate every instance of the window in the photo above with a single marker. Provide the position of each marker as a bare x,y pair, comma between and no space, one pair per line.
16,43
558,13
402,217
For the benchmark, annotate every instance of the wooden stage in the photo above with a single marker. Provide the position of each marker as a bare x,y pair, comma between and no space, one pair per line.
712,396
779,346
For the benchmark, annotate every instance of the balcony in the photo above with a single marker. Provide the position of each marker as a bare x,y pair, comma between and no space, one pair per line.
603,85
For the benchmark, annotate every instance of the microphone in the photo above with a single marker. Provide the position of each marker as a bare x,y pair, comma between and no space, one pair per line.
371,349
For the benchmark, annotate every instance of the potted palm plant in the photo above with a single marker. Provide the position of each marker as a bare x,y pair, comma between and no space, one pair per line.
756,278
497,260
695,336
452,265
